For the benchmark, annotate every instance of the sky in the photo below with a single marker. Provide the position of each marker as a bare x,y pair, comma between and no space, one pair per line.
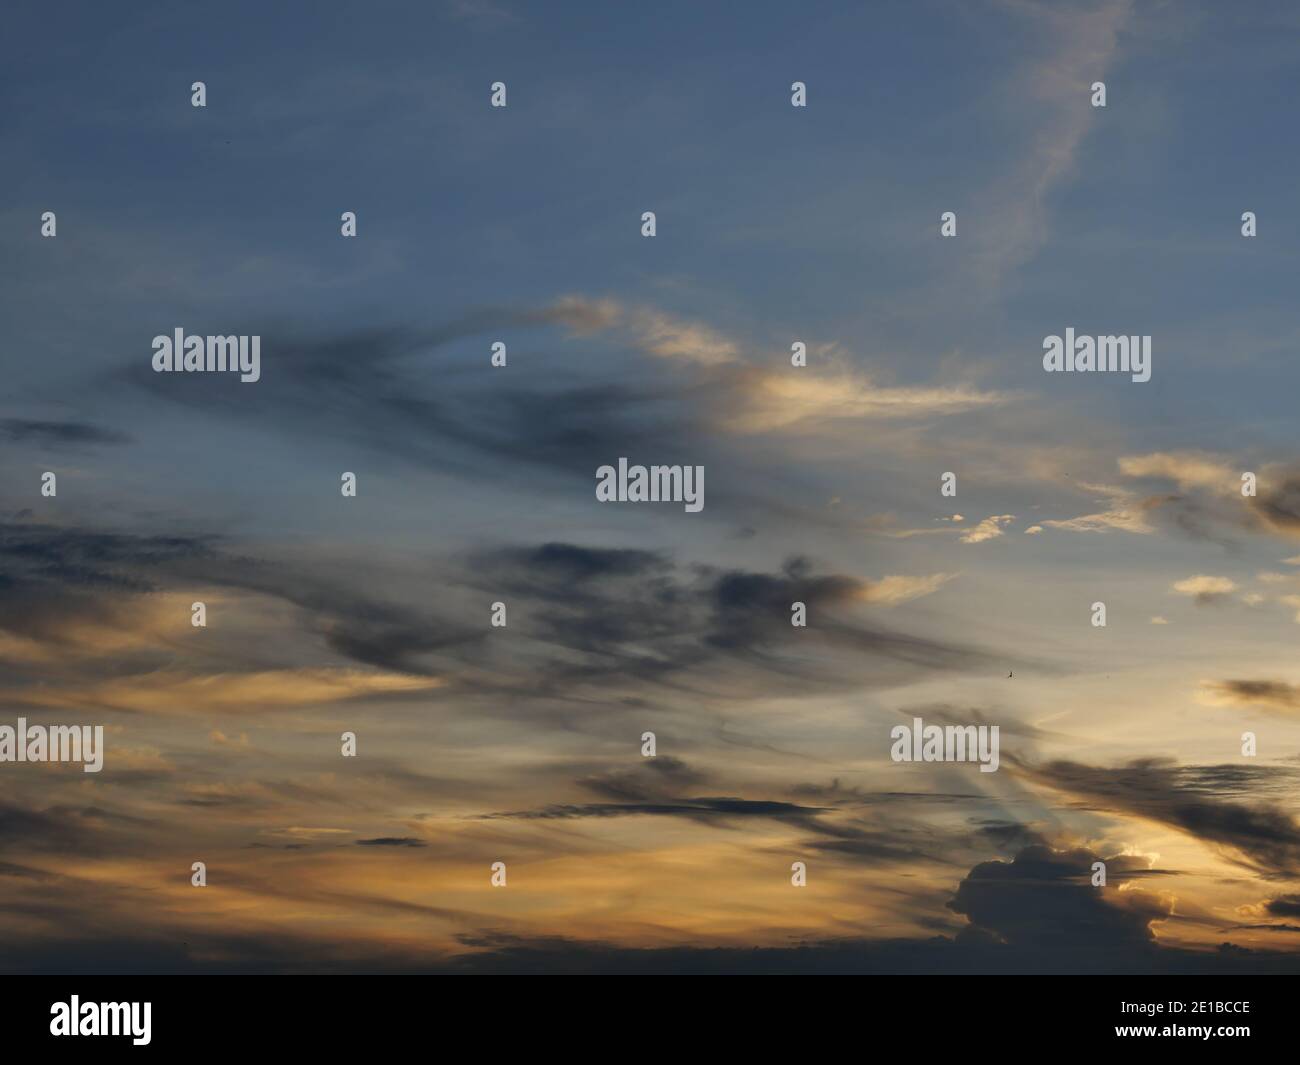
523,744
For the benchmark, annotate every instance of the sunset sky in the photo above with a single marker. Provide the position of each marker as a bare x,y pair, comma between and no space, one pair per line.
522,744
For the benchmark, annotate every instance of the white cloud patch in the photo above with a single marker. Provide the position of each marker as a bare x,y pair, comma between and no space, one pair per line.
1204,588
989,529
890,591
1124,512
772,401
1187,469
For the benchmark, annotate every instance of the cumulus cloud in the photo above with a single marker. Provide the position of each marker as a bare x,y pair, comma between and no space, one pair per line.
1045,896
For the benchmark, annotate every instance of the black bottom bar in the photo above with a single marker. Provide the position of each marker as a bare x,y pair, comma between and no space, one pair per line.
340,1015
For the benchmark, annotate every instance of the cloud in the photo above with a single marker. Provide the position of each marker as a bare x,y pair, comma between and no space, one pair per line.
756,400
1284,906
1045,897
988,529
1075,49
563,564
176,692
1188,469
659,778
702,809
1124,512
1278,505
670,338
1275,508
766,401
1037,913
1291,601
57,434
1259,835
603,622
890,591
649,622
1205,589
1274,695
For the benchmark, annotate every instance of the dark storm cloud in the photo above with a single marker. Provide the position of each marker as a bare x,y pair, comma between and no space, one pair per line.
1045,897
1260,835
1284,906
56,434
390,841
